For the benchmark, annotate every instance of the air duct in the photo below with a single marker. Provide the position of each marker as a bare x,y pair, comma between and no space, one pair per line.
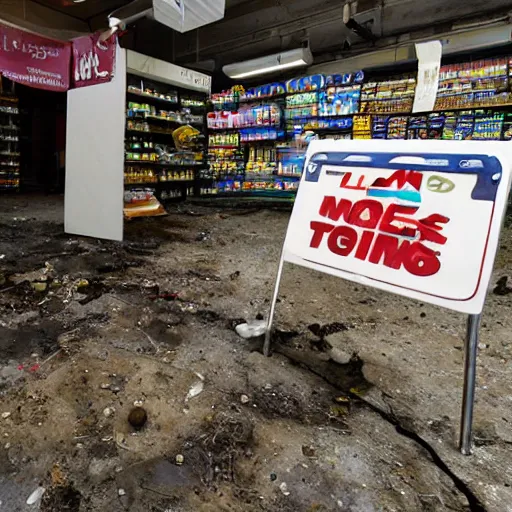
453,42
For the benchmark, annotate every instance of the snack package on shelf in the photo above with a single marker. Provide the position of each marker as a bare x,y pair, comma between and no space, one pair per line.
435,125
339,101
362,127
142,203
465,127
397,127
488,125
390,97
417,127
473,84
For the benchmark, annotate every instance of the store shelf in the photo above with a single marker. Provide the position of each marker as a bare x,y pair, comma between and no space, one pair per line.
441,94
261,140
159,164
238,128
266,98
151,97
458,109
10,99
473,78
156,184
143,132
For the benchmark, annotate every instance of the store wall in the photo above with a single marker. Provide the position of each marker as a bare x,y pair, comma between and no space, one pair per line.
95,157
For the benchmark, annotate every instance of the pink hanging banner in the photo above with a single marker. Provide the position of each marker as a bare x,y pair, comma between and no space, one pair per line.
93,60
33,60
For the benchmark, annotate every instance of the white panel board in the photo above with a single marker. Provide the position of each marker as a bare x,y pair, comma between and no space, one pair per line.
95,157
417,218
155,69
185,15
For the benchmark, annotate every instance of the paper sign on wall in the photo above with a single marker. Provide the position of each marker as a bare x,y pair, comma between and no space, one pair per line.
417,218
429,62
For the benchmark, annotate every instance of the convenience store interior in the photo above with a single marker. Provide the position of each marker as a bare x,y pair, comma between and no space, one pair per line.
248,138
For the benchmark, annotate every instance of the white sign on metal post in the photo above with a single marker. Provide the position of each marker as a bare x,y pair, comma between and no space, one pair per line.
418,218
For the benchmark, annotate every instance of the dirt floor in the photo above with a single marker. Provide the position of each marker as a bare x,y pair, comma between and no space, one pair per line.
357,409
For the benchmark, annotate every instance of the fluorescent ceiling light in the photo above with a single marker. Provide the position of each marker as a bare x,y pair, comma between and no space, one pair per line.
270,63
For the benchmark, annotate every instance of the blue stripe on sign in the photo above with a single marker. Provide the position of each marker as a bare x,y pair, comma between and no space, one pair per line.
406,195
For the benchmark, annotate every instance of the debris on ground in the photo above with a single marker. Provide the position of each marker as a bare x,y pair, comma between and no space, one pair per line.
253,329
195,389
36,496
502,287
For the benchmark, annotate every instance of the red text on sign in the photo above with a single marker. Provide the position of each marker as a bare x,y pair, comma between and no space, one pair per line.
382,241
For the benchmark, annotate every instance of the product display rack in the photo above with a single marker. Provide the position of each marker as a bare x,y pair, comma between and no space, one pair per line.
474,101
9,142
276,113
154,161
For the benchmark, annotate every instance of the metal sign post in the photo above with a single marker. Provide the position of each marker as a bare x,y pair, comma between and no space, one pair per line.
270,320
468,396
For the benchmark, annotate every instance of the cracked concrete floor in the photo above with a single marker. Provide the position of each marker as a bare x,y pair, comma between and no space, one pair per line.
297,431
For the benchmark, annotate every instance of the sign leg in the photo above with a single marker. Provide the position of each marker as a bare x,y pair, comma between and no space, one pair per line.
468,397
270,321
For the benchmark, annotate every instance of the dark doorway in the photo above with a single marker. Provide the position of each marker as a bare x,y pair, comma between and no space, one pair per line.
42,139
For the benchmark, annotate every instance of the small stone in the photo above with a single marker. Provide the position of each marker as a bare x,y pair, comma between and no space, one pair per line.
180,459
5,415
273,477
137,417
340,503
7,446
138,403
482,346
108,411
340,356
244,399
121,492
105,385
284,489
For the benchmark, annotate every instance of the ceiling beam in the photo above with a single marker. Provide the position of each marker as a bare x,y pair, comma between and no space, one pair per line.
41,19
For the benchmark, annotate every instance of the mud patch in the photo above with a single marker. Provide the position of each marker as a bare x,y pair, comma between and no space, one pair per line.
61,499
325,330
27,339
214,451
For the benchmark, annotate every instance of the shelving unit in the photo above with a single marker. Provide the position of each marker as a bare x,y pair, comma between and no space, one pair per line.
153,159
9,143
473,101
